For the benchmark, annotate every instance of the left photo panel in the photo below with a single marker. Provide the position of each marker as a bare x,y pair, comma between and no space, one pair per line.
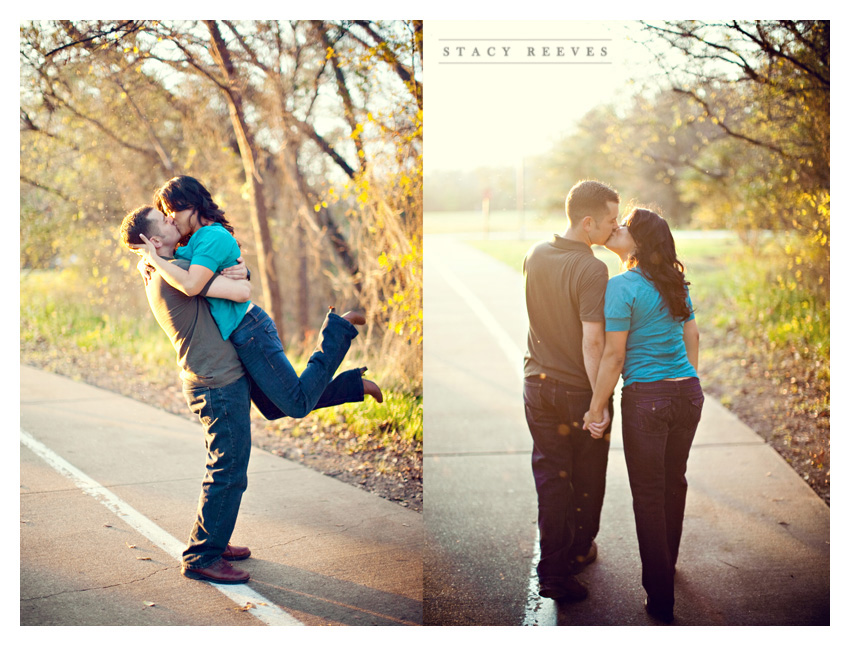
221,318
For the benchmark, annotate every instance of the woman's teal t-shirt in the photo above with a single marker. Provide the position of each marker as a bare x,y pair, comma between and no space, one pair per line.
215,248
655,347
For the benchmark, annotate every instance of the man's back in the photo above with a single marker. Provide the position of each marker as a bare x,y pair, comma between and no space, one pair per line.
204,357
564,285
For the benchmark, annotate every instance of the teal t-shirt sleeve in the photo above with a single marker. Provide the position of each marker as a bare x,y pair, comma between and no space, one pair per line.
618,306
212,247
690,305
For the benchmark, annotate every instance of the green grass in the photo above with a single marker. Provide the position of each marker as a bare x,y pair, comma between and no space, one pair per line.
701,256
60,320
498,222
399,416
733,292
57,310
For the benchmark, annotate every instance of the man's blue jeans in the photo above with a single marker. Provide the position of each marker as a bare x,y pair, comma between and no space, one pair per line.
225,414
660,419
569,472
277,389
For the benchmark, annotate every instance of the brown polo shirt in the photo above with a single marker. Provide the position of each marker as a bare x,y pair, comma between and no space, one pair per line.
564,285
205,359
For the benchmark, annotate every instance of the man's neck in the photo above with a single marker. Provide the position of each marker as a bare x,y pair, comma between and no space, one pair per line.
576,235
165,252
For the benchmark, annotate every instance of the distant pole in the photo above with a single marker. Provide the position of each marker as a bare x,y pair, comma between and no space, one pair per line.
520,197
485,209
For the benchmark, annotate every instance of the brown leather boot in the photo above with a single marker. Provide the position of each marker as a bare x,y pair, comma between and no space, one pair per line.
219,572
234,553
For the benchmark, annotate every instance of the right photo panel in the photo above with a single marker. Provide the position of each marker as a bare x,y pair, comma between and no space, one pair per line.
627,340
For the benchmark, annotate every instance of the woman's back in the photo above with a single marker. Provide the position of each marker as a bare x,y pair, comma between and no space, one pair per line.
655,347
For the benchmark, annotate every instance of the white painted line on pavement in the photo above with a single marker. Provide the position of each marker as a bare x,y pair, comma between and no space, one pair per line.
264,610
512,351
514,354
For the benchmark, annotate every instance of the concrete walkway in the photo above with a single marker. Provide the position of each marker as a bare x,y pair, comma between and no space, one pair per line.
109,488
755,548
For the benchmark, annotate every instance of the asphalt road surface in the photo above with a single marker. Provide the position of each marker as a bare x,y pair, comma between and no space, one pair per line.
109,488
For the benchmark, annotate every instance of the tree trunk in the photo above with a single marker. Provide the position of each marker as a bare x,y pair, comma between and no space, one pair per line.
303,284
259,213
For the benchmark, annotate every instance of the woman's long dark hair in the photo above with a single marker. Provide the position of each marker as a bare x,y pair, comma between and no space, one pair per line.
184,192
655,256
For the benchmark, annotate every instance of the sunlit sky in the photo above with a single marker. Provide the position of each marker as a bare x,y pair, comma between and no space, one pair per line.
495,108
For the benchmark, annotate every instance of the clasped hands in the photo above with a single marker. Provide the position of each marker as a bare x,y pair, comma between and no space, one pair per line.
597,423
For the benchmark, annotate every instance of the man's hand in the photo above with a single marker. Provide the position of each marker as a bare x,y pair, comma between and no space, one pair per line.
145,270
236,272
597,423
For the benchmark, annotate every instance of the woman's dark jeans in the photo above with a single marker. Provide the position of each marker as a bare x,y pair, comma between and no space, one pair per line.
276,388
569,473
659,422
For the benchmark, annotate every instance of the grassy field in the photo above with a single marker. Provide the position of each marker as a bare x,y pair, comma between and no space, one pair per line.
707,259
65,331
731,290
497,222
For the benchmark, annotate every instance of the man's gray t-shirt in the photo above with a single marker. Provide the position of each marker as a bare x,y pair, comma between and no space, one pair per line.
205,359
564,285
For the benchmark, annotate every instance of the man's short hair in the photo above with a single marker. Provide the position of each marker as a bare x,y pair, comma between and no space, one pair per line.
135,224
589,198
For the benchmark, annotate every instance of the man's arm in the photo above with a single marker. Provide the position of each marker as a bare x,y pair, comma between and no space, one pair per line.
691,336
231,290
592,345
239,271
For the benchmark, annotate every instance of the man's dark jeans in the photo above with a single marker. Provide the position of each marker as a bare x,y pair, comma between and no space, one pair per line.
282,391
659,422
569,472
225,414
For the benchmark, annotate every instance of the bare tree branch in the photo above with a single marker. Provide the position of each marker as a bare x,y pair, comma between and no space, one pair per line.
48,189
128,27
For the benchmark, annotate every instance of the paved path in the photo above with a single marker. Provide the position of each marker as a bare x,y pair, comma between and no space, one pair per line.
755,548
109,488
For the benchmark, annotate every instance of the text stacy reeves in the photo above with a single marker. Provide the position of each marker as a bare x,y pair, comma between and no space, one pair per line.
527,53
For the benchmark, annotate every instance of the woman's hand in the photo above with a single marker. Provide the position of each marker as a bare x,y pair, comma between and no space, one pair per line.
236,272
596,423
146,250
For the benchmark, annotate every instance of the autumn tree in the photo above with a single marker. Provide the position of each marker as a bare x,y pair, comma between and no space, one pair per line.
763,86
307,133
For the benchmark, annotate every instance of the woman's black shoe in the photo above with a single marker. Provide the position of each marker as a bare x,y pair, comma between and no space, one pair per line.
661,614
